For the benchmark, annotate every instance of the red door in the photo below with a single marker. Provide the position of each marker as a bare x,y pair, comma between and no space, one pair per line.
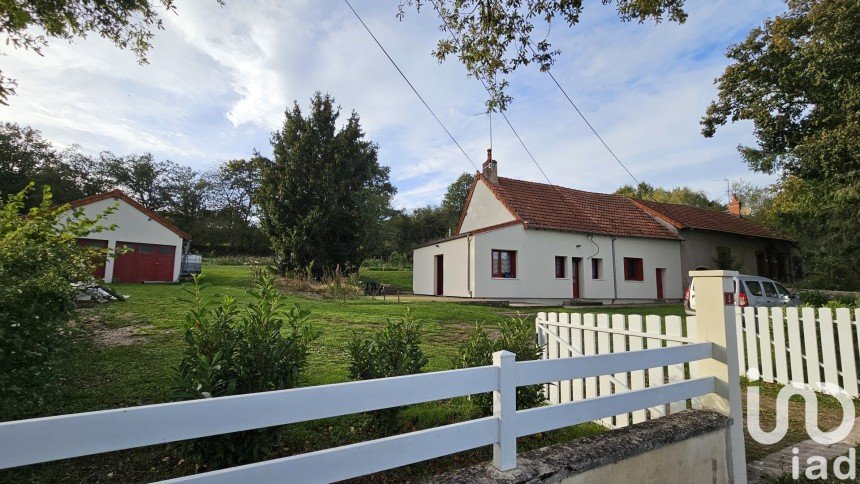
99,272
144,262
660,272
439,275
574,276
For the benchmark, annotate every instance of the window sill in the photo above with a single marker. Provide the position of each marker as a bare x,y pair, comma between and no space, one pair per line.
503,278
634,280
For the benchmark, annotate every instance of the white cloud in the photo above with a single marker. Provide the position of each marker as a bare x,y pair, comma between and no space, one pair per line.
221,77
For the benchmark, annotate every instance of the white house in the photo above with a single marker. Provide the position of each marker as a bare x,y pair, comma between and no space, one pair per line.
152,246
525,241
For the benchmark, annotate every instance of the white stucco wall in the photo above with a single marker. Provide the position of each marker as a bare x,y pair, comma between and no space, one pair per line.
536,252
454,268
484,210
654,253
132,226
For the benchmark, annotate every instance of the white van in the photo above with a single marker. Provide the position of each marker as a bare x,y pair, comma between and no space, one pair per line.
754,291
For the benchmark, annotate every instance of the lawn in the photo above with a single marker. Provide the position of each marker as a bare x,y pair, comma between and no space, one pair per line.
127,350
399,279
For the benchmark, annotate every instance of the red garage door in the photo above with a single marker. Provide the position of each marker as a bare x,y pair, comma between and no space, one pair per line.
144,262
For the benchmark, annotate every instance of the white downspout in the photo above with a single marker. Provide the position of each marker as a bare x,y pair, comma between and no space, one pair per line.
469,264
614,274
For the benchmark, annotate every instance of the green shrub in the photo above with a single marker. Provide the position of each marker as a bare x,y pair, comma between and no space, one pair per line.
515,335
40,260
394,350
845,301
230,351
814,298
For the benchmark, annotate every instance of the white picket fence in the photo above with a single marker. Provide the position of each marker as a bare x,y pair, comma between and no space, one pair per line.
575,335
66,436
806,347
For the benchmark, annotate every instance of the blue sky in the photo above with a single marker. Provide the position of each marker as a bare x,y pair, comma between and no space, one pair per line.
220,78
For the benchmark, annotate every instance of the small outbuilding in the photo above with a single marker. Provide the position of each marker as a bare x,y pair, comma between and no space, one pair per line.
151,247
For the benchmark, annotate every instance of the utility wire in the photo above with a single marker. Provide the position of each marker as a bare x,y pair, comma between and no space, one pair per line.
504,115
410,84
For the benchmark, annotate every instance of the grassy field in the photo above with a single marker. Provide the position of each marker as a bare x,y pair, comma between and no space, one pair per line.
399,279
127,351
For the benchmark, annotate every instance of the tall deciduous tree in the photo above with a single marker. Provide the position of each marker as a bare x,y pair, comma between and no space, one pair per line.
797,78
324,193
679,195
455,197
492,38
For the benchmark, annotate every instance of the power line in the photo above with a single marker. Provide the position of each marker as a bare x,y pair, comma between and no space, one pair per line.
410,85
504,115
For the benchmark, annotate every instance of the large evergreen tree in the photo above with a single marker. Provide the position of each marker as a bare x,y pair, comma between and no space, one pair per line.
324,194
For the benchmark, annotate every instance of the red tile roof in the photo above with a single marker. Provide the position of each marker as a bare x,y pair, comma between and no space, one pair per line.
134,203
543,206
687,217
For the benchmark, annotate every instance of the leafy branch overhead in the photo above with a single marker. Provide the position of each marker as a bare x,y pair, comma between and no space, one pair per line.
492,38
128,24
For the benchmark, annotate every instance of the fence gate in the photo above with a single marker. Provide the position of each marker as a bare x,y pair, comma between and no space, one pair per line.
572,335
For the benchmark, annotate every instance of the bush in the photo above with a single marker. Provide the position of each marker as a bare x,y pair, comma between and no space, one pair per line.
814,298
394,350
40,260
230,351
845,301
515,335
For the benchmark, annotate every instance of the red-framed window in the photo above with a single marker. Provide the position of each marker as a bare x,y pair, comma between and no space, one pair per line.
560,266
504,263
633,270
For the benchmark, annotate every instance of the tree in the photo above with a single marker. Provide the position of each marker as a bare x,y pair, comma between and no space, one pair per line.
147,180
324,193
127,23
455,196
494,38
40,260
679,195
23,151
25,156
797,78
759,200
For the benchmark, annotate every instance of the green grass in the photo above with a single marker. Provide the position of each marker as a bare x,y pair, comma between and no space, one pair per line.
95,376
399,279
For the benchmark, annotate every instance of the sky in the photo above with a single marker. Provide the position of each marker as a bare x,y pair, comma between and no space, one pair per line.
219,79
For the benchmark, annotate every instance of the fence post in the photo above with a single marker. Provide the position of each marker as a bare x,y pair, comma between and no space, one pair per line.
505,409
715,323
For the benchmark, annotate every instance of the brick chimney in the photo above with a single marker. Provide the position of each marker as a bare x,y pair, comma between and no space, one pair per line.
735,206
491,168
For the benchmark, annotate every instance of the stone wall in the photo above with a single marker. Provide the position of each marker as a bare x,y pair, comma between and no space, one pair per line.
686,447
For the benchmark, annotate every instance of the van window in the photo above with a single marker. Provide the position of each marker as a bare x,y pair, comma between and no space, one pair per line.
754,287
769,289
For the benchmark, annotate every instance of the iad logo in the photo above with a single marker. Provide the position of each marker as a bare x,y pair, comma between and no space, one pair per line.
816,466
810,418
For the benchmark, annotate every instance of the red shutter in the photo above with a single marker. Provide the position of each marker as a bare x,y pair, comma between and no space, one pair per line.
640,272
626,270
513,256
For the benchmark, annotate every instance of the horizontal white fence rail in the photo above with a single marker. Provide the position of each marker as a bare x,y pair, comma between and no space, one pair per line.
574,335
813,348
52,438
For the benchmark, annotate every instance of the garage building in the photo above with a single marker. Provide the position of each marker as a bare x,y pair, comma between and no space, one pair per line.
151,247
